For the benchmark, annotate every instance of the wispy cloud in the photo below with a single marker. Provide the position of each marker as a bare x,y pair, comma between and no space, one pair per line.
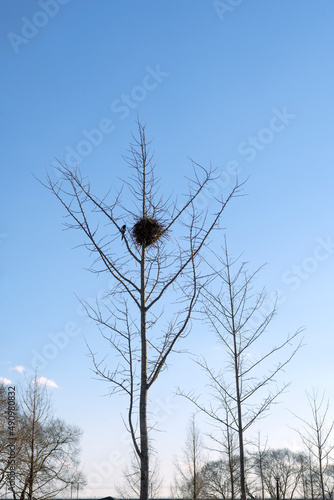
5,381
47,382
18,368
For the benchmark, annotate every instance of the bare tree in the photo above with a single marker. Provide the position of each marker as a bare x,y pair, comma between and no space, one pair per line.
329,480
280,465
189,480
308,480
239,319
152,251
47,463
217,480
316,437
257,458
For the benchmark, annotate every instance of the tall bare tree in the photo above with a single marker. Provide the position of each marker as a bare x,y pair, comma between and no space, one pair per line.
239,319
316,436
152,251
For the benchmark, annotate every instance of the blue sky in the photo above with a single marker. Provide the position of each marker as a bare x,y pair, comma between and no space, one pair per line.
251,83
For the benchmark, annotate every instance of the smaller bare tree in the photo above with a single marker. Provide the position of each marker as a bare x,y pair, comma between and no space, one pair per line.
250,373
189,480
217,480
308,480
281,465
316,436
329,480
48,460
257,458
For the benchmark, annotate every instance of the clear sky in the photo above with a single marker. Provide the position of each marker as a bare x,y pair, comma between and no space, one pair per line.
249,81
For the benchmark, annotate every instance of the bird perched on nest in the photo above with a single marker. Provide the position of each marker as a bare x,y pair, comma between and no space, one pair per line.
123,228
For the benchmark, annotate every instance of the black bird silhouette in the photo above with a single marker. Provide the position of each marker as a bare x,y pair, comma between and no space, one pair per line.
123,228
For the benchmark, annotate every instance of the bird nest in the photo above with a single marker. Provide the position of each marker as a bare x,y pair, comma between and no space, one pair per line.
147,231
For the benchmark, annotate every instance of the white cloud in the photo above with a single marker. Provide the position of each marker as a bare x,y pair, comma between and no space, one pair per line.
18,368
5,381
47,382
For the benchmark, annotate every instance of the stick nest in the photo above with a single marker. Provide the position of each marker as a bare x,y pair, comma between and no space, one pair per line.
147,231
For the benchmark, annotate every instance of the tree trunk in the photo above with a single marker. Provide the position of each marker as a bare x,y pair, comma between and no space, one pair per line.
194,463
321,474
311,478
261,475
230,461
144,452
237,387
241,445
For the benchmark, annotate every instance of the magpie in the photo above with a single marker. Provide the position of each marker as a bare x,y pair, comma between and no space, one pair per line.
123,228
